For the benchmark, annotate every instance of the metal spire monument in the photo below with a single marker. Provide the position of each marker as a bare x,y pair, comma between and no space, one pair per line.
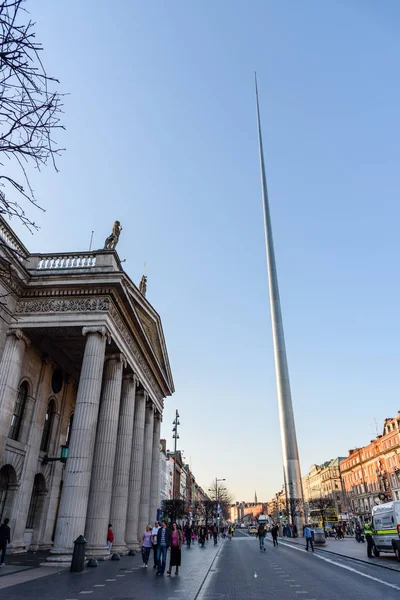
290,452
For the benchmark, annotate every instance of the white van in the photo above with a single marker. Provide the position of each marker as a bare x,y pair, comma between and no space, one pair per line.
386,526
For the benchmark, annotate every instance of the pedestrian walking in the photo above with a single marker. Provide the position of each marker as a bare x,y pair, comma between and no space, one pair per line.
5,538
202,535
215,534
146,545
154,533
261,537
164,544
176,545
188,535
308,536
368,536
110,537
274,533
230,533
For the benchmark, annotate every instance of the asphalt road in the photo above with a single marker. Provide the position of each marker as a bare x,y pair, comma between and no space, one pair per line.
242,572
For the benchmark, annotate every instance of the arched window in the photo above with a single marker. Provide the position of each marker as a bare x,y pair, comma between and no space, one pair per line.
71,420
36,503
8,488
18,411
48,422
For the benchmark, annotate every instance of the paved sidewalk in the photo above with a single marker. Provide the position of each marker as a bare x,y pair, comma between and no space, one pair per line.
115,579
350,549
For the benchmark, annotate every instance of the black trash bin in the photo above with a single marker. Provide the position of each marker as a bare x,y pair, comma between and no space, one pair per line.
78,555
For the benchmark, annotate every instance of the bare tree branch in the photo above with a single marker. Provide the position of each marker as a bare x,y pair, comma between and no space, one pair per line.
30,108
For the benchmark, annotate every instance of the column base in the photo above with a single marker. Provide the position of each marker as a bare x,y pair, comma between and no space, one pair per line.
58,560
16,548
133,545
98,552
122,549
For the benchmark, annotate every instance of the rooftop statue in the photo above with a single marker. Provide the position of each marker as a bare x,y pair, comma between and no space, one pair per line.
143,285
113,239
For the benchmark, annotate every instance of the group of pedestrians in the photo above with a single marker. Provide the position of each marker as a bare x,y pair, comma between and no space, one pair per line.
162,540
262,532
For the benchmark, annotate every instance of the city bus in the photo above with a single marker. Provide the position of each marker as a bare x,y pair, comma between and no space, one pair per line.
331,517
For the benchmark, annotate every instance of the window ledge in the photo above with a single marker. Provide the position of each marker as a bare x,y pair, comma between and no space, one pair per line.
16,446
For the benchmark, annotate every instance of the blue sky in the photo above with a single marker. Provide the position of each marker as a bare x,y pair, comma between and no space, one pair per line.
161,134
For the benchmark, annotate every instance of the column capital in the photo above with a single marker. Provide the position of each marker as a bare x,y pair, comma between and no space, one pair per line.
19,334
142,392
149,404
100,329
71,381
131,377
118,356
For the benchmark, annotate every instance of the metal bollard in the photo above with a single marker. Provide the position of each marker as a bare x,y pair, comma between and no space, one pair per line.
78,555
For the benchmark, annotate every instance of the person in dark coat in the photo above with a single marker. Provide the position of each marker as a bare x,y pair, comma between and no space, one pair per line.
5,538
163,544
188,535
274,533
176,545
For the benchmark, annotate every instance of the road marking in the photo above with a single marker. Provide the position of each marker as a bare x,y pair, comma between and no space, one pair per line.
87,592
295,585
99,585
333,562
300,592
120,576
111,580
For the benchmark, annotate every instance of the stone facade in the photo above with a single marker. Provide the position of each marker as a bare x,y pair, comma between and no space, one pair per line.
324,481
371,474
84,366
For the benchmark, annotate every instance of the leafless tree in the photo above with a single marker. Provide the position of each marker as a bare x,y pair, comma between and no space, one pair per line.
319,506
293,508
220,494
174,510
204,510
30,110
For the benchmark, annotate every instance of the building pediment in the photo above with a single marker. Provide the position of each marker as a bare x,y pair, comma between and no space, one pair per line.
150,326
65,290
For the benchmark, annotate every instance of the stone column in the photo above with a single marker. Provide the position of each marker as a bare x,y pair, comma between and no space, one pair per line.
30,466
155,470
58,468
98,512
78,469
119,502
135,473
10,375
144,509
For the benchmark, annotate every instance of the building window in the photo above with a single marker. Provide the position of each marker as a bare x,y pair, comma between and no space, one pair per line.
36,503
48,422
69,429
32,506
18,411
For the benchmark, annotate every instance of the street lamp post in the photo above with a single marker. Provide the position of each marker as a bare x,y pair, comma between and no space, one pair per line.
175,436
217,498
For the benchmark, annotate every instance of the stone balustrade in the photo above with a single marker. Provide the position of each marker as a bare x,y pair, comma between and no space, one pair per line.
67,261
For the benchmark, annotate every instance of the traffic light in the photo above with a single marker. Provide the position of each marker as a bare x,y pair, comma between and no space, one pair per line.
217,516
280,515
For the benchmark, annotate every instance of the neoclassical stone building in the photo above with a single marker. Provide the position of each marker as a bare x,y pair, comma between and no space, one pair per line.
84,370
